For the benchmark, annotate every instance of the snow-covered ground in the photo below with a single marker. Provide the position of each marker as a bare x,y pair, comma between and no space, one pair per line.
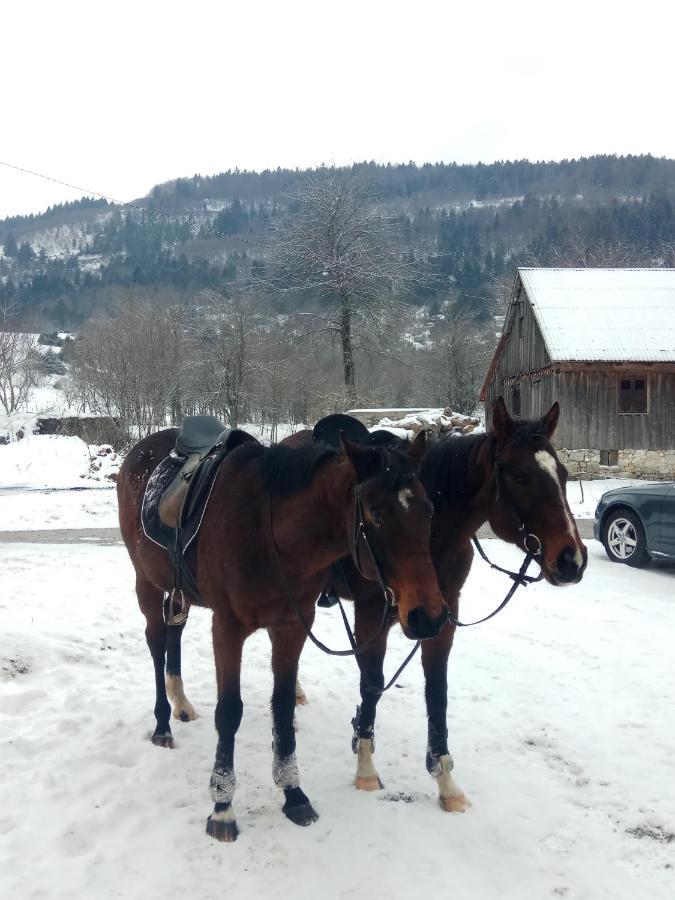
49,481
561,724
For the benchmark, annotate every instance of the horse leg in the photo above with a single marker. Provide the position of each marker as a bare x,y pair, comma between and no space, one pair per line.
150,602
367,618
435,653
227,646
300,696
287,644
182,708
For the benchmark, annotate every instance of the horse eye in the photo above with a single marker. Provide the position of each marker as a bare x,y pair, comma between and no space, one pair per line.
376,515
521,478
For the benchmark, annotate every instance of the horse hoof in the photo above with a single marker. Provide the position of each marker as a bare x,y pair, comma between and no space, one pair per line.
368,783
458,803
301,700
227,832
162,740
301,815
187,714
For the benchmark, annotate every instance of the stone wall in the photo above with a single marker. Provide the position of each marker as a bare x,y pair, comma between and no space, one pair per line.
652,465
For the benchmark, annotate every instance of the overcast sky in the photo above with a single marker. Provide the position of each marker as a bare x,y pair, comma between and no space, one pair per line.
118,96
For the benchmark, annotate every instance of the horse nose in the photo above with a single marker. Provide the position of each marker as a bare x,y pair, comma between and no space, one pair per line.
567,566
422,626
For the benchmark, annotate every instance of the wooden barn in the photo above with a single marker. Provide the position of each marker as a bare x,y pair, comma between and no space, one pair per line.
602,343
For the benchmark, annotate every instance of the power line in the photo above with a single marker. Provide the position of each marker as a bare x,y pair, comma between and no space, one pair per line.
122,203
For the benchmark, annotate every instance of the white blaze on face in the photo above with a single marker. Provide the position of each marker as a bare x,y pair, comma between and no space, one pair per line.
404,498
546,461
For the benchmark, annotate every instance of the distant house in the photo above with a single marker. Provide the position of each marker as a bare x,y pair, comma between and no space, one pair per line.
602,343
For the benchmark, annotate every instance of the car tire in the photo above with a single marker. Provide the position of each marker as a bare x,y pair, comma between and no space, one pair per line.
624,538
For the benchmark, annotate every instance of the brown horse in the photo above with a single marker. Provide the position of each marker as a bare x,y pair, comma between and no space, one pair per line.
276,520
510,477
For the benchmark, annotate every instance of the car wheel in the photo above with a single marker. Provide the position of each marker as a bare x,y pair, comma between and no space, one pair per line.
624,538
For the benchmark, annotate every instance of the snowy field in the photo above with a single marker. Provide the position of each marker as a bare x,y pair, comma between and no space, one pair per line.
49,481
561,725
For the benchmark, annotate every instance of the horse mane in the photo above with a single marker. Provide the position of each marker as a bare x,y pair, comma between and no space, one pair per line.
287,470
446,463
445,466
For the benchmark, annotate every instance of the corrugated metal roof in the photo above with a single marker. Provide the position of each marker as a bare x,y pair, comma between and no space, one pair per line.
604,315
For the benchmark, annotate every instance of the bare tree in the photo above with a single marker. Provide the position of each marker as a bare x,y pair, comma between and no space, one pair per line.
225,341
338,252
458,361
128,367
18,362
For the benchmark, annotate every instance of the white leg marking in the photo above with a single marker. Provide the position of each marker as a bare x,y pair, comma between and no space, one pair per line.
300,696
450,795
367,778
182,708
547,462
227,815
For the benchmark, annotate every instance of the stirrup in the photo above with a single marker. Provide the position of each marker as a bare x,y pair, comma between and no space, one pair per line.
177,615
325,601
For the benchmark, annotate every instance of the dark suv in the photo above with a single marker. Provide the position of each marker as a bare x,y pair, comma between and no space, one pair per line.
638,522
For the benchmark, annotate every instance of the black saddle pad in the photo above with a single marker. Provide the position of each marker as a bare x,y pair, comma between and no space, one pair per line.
196,499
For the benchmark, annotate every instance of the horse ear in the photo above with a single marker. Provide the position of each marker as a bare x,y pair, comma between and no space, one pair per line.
352,451
417,447
502,423
550,420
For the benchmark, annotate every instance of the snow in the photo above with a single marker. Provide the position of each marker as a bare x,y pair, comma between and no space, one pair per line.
560,725
604,314
49,481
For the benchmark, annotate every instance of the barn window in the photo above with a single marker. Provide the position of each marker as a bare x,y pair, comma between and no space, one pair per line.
515,400
632,394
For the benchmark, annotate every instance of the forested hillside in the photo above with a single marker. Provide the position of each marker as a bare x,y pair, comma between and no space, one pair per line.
465,227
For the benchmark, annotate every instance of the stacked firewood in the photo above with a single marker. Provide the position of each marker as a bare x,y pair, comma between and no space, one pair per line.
434,420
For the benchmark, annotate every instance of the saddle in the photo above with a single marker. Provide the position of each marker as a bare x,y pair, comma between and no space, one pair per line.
178,491
198,437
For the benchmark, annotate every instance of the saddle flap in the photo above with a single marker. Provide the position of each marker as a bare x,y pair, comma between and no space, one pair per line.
171,501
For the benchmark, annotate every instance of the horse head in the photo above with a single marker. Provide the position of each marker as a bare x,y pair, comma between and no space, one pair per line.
528,506
390,524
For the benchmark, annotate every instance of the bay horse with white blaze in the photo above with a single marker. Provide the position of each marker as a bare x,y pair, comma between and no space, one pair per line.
276,520
512,478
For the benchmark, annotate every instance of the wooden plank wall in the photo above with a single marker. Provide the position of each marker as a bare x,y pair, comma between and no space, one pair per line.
591,413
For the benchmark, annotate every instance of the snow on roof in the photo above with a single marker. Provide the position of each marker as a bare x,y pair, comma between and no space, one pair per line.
608,315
